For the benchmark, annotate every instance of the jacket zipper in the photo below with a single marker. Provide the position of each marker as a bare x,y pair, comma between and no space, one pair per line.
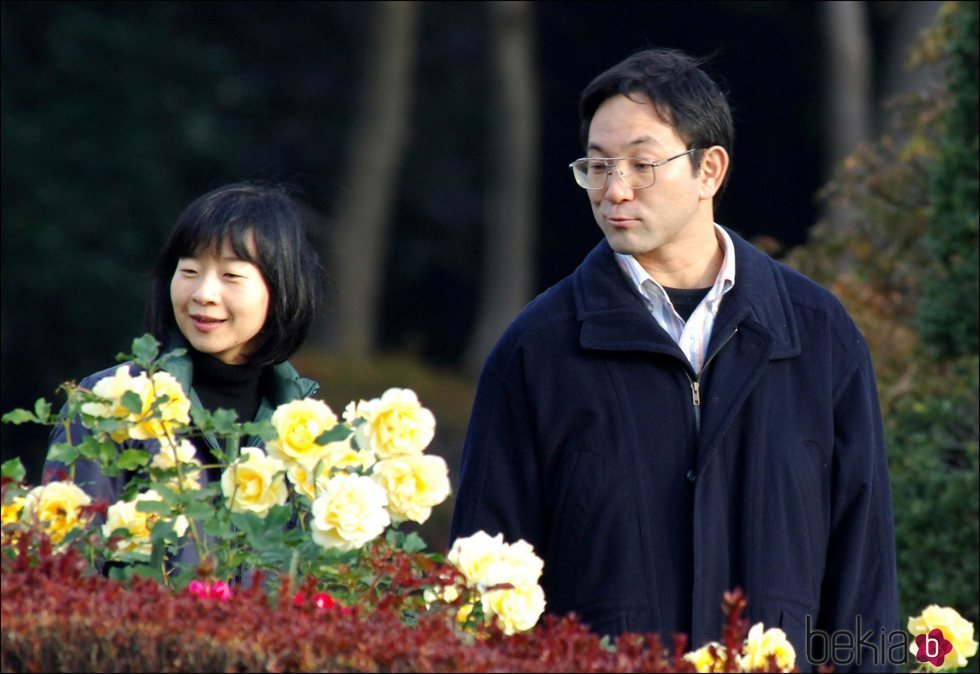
696,382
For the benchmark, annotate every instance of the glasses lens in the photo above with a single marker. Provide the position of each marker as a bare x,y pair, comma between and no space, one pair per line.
589,173
636,173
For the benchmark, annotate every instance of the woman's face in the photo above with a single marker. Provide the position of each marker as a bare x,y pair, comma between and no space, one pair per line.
220,303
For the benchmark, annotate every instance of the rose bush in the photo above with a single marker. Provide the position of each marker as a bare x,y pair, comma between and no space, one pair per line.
316,514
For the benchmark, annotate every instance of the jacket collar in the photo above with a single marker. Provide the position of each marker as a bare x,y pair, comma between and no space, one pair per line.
614,317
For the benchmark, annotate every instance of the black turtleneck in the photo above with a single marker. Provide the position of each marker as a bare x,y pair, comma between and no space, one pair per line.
231,387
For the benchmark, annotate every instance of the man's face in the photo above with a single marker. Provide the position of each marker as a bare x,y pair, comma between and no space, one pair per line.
649,221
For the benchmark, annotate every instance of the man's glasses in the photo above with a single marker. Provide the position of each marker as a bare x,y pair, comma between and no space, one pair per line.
636,173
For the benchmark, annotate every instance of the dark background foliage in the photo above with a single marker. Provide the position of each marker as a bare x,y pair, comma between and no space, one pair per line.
115,115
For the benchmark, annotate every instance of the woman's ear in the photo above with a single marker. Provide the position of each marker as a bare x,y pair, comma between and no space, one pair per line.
714,167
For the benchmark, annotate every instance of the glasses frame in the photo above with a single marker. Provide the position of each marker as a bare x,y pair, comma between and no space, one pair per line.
612,164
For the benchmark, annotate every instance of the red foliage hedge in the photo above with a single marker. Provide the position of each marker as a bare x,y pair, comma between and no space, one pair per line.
58,616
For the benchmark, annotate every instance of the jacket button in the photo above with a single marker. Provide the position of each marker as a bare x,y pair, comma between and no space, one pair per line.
691,475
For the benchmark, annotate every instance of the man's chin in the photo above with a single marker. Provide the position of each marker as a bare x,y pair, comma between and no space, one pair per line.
624,244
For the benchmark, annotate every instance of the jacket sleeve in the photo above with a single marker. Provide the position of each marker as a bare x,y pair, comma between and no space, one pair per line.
499,489
88,475
860,585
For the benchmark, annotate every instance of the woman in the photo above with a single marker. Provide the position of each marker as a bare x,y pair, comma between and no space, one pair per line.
237,285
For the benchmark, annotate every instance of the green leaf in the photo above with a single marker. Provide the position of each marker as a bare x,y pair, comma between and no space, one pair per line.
335,434
132,402
224,421
199,511
158,507
64,452
413,543
146,348
171,355
92,448
216,528
278,516
131,459
264,430
42,408
162,530
251,524
19,416
200,417
13,469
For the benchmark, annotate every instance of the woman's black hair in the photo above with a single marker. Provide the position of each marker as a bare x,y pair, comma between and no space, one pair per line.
243,213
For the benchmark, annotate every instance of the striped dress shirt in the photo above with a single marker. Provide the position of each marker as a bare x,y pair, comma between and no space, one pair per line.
693,335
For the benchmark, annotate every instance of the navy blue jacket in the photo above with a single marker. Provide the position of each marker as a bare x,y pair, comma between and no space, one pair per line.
585,440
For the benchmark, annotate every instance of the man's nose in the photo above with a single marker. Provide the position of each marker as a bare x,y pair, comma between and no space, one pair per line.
616,189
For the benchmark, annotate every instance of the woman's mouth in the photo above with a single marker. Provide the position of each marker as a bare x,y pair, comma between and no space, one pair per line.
206,323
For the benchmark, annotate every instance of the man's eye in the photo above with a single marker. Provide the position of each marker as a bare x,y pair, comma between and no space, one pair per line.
642,166
597,167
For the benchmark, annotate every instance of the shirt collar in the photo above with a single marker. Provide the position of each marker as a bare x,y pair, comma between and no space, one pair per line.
654,292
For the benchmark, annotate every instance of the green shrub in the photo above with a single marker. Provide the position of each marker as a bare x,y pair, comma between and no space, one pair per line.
905,266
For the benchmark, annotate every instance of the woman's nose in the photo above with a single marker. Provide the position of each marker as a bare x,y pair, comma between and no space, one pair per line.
207,290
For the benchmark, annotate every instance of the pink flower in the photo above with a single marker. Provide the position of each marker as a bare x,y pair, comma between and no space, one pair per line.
219,590
198,589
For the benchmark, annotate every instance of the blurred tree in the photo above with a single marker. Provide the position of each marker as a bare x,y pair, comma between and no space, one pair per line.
111,118
903,191
508,229
371,171
848,76
948,313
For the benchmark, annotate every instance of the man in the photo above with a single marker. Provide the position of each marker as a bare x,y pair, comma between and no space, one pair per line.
682,414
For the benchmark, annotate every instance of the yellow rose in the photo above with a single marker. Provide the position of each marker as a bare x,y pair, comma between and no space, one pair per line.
298,424
477,556
349,512
355,415
486,561
10,514
340,455
524,568
166,408
705,661
185,454
125,515
761,644
56,506
111,390
414,485
398,425
11,511
518,608
440,593
955,628
254,483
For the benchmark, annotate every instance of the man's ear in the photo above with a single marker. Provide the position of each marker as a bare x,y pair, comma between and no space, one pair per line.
714,167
